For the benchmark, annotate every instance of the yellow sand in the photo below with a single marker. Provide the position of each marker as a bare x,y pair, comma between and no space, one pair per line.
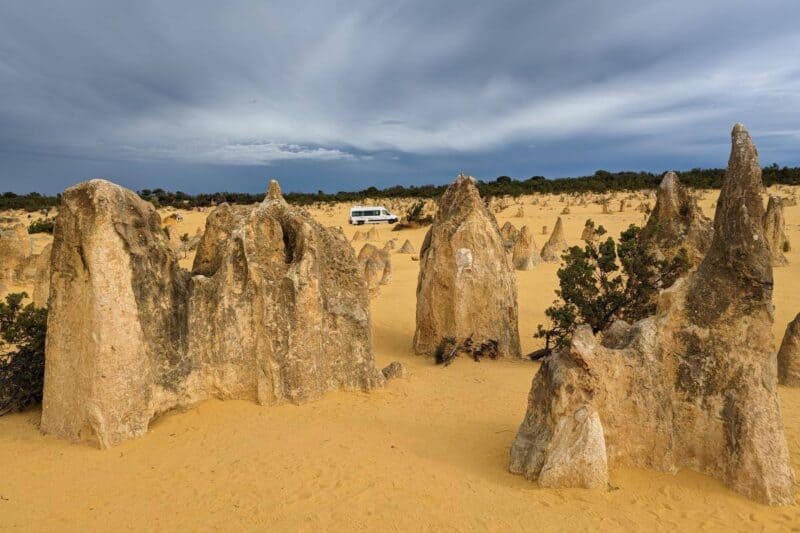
427,453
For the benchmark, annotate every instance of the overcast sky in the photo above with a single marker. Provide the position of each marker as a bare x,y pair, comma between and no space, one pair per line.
207,95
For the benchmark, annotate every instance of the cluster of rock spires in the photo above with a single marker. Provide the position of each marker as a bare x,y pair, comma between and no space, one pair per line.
467,284
694,386
275,310
376,265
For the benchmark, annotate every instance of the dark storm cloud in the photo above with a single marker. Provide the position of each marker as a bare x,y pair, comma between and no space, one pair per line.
338,95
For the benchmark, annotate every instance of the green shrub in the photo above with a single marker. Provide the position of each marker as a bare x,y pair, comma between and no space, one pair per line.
44,225
602,282
23,330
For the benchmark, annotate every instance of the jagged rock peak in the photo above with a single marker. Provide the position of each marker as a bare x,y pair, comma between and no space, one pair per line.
274,191
737,270
677,222
460,198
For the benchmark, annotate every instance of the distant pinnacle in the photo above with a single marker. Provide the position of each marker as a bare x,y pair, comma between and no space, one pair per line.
274,191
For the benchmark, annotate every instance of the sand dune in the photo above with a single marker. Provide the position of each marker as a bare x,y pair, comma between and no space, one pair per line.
427,452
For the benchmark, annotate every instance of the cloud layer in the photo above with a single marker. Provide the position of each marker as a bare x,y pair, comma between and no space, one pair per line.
338,95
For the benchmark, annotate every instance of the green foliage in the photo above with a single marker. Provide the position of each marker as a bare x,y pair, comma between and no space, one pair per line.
599,182
23,330
603,281
414,214
44,225
27,202
646,275
448,349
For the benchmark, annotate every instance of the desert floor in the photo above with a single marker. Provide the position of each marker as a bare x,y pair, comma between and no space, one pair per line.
428,452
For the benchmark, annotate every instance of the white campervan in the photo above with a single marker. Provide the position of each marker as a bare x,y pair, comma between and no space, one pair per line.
371,215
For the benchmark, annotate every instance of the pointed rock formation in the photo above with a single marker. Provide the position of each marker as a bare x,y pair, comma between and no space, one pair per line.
589,233
117,326
526,254
789,355
41,281
373,234
377,267
694,386
16,251
276,311
274,191
774,230
467,286
359,236
677,222
407,248
510,235
555,245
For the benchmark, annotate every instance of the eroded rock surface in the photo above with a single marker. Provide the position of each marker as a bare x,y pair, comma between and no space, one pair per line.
694,386
467,285
16,251
556,244
526,253
407,248
376,264
677,222
510,235
774,230
41,281
789,355
276,311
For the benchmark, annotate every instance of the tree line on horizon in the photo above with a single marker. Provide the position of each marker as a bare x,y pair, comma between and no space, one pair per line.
600,182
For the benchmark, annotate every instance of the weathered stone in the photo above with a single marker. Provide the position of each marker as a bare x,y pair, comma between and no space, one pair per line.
274,191
16,252
774,231
395,370
407,248
41,281
789,355
220,224
373,234
467,285
677,222
510,235
589,233
556,244
116,336
526,253
695,386
617,335
359,236
377,267
276,311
